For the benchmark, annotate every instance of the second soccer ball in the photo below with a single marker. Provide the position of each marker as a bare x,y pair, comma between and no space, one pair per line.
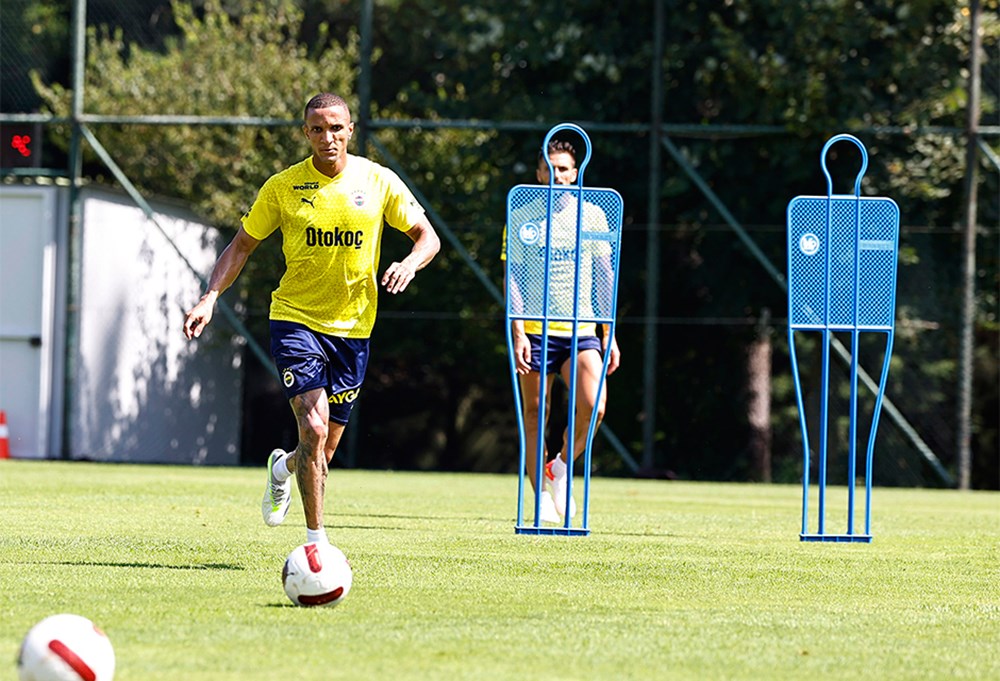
65,647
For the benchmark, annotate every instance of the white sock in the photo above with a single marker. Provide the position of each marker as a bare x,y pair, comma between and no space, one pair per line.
280,469
558,466
316,536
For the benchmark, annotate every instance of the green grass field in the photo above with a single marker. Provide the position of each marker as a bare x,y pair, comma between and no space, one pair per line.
676,581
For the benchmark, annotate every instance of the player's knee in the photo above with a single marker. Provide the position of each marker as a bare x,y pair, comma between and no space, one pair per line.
531,411
588,410
314,432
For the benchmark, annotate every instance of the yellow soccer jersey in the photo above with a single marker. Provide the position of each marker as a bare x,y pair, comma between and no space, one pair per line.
331,231
528,252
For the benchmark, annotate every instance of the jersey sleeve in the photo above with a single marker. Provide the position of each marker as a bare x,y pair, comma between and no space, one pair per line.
402,211
515,225
264,215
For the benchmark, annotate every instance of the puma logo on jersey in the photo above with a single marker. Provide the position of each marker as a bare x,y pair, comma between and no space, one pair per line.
309,201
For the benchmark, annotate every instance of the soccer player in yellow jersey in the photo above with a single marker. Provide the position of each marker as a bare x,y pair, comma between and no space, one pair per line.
330,209
527,334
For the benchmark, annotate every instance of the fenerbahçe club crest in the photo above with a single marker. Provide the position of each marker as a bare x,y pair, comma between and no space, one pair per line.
529,233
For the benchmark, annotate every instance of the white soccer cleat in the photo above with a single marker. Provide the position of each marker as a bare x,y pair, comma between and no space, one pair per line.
277,495
557,483
547,510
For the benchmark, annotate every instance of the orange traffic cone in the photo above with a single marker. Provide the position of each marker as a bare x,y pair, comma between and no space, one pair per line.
4,436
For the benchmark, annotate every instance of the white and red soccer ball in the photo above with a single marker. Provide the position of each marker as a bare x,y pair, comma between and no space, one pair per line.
317,574
66,648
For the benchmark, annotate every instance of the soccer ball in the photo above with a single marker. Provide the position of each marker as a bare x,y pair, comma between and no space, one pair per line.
317,574
66,648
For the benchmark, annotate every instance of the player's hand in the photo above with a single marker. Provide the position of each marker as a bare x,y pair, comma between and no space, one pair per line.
615,359
198,317
522,354
397,277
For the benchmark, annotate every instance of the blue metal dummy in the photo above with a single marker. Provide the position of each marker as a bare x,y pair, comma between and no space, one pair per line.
563,244
842,260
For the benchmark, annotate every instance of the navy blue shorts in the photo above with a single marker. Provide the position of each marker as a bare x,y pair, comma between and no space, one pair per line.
307,360
560,348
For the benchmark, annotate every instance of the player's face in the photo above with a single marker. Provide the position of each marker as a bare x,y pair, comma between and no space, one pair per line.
328,132
562,164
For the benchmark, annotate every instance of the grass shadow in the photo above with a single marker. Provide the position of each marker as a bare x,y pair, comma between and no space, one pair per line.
135,564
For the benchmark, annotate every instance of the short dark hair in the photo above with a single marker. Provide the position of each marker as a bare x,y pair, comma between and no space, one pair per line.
325,100
556,146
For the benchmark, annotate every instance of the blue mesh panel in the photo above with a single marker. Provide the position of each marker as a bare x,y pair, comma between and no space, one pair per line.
822,263
531,245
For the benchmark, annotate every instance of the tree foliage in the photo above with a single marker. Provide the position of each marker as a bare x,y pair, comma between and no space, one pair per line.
438,393
217,65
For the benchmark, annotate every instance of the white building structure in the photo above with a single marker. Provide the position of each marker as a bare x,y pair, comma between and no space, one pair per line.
117,381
